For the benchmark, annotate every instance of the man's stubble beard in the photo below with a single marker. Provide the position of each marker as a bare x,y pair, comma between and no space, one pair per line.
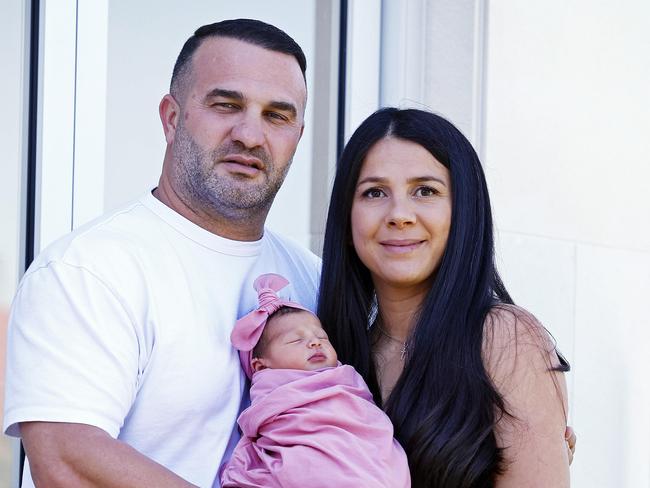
232,196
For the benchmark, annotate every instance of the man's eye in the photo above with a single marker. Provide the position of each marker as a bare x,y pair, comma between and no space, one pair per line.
226,105
277,116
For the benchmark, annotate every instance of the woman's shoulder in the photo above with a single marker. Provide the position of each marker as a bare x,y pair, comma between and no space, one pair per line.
513,338
508,326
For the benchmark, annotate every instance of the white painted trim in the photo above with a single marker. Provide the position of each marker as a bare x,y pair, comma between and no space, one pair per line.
403,51
324,126
433,57
479,77
90,111
363,63
55,154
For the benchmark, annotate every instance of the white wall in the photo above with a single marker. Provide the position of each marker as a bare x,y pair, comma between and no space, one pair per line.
567,142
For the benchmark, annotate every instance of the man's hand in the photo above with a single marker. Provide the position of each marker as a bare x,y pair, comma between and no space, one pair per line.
78,455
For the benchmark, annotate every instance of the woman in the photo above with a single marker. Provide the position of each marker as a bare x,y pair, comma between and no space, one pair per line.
411,298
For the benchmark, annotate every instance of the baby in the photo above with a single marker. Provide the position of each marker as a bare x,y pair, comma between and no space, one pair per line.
293,339
312,421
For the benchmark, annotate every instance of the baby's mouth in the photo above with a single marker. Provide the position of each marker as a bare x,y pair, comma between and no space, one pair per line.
319,356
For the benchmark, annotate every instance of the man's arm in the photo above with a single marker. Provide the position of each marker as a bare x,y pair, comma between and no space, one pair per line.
77,455
74,355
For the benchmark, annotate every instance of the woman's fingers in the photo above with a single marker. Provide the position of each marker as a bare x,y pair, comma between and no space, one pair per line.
571,438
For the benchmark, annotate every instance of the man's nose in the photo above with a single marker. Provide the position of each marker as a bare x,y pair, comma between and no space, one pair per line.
249,130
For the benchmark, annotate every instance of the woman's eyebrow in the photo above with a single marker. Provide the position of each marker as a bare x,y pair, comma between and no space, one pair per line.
424,179
415,179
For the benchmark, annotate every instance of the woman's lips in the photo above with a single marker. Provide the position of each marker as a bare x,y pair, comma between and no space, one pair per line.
401,246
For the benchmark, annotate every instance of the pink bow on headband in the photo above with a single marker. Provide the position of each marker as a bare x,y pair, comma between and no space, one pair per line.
249,328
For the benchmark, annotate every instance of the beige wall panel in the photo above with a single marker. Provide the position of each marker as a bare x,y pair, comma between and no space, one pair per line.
611,367
540,276
568,118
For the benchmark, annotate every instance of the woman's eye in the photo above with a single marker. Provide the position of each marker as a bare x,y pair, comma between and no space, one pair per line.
426,191
373,193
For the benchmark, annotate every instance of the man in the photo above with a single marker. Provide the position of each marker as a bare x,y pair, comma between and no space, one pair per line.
120,369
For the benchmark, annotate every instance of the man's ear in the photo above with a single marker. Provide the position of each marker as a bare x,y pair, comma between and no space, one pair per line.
258,364
170,112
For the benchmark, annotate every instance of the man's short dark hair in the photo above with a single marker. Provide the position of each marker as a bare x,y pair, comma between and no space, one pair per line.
251,31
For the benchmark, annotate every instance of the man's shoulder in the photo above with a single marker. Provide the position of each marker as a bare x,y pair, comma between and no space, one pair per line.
289,246
115,233
295,262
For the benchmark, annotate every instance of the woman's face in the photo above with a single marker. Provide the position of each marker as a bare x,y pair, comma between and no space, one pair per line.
401,213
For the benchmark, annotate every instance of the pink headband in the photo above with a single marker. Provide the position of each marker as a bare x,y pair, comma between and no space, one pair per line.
249,328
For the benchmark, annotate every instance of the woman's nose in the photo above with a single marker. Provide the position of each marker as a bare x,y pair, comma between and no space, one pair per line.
400,214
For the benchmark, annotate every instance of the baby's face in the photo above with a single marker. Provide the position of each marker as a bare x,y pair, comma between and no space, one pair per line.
296,341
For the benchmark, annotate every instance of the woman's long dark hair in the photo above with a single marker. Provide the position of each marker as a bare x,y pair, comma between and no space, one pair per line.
444,406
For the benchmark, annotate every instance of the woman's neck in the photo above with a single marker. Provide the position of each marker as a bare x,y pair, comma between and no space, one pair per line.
398,308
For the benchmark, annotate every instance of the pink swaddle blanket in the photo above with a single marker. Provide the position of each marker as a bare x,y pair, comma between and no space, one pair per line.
315,429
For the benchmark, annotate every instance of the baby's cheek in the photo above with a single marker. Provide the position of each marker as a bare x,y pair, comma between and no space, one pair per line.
334,355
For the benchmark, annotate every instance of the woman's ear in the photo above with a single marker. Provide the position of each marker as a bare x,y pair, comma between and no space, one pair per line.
258,364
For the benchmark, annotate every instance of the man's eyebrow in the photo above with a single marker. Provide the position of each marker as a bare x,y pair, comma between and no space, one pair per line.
285,107
220,92
239,96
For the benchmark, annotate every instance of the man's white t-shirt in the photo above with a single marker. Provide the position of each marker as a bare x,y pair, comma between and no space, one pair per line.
125,324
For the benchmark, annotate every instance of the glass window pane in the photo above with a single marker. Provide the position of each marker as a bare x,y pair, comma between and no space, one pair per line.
11,85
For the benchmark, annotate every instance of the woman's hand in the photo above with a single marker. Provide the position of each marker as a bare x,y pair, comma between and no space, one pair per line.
570,437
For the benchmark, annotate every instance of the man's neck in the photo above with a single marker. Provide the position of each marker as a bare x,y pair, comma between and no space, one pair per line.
250,228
